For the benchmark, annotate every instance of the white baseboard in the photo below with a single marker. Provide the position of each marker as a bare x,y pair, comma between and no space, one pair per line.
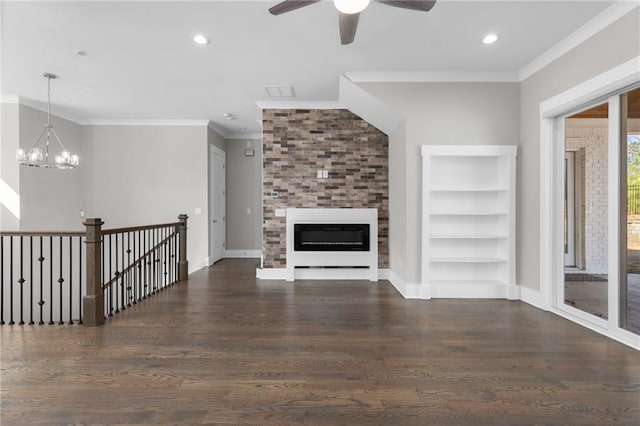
271,273
320,274
532,297
408,291
243,253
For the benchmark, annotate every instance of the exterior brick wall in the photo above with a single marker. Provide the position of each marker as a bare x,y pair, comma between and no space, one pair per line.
592,167
298,143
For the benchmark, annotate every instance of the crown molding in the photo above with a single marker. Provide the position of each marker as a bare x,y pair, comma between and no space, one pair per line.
586,31
299,105
143,122
9,99
16,99
432,76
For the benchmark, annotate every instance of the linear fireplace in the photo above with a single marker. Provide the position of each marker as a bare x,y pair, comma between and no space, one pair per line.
332,243
331,237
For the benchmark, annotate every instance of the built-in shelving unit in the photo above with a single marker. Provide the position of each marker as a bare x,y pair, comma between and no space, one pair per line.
468,221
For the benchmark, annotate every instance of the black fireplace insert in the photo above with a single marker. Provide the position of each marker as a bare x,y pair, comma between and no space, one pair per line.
331,237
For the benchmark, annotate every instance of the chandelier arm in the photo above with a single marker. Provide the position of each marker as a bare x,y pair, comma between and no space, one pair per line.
39,137
58,139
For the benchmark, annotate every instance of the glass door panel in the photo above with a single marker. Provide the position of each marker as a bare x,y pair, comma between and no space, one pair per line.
630,278
586,211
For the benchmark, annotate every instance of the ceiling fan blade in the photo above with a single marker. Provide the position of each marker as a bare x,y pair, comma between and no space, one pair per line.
348,27
289,5
421,5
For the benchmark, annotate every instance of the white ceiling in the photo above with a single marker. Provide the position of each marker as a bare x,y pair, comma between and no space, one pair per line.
141,63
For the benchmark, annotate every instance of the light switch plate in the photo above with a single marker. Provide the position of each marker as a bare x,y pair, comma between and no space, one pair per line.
319,174
281,212
325,174
198,210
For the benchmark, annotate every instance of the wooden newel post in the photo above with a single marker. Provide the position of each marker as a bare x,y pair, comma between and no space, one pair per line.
183,263
93,302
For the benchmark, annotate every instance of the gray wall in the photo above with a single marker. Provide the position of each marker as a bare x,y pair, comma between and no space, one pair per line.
9,169
438,114
612,46
137,175
244,191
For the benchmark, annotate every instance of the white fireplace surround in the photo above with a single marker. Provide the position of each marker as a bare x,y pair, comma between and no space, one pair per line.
347,260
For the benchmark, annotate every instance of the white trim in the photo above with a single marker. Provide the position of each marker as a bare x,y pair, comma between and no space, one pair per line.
9,99
239,254
408,291
143,122
243,136
43,108
531,297
432,76
593,89
613,194
299,105
320,274
271,273
592,27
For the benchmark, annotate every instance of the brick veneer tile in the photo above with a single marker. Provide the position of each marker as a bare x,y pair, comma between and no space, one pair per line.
298,143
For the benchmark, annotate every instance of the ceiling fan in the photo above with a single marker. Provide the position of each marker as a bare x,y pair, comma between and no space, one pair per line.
350,11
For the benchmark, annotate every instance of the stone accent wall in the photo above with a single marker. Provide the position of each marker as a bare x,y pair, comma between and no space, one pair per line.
592,169
298,143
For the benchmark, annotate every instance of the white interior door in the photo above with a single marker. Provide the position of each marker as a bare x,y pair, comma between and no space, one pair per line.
217,202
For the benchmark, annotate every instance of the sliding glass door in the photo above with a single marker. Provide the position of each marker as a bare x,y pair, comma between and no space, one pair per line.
630,206
586,257
601,214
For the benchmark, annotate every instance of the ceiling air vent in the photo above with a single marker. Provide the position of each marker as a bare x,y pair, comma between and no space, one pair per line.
280,91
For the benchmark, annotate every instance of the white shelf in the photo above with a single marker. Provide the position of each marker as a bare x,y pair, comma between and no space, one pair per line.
467,189
467,237
459,213
468,221
467,260
467,282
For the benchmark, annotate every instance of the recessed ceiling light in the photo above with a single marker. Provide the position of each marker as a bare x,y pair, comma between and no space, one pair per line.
200,39
490,38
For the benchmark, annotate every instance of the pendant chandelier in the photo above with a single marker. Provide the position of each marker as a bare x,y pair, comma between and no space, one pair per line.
39,157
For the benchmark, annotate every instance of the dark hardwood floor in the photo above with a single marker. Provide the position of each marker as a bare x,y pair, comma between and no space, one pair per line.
227,348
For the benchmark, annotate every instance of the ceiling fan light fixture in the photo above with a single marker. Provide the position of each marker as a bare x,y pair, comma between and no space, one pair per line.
351,6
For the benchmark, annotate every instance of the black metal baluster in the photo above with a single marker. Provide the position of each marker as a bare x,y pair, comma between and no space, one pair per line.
104,271
80,280
2,281
115,275
164,258
31,300
51,280
61,281
170,257
11,322
109,280
21,281
155,267
146,263
41,301
129,294
70,280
